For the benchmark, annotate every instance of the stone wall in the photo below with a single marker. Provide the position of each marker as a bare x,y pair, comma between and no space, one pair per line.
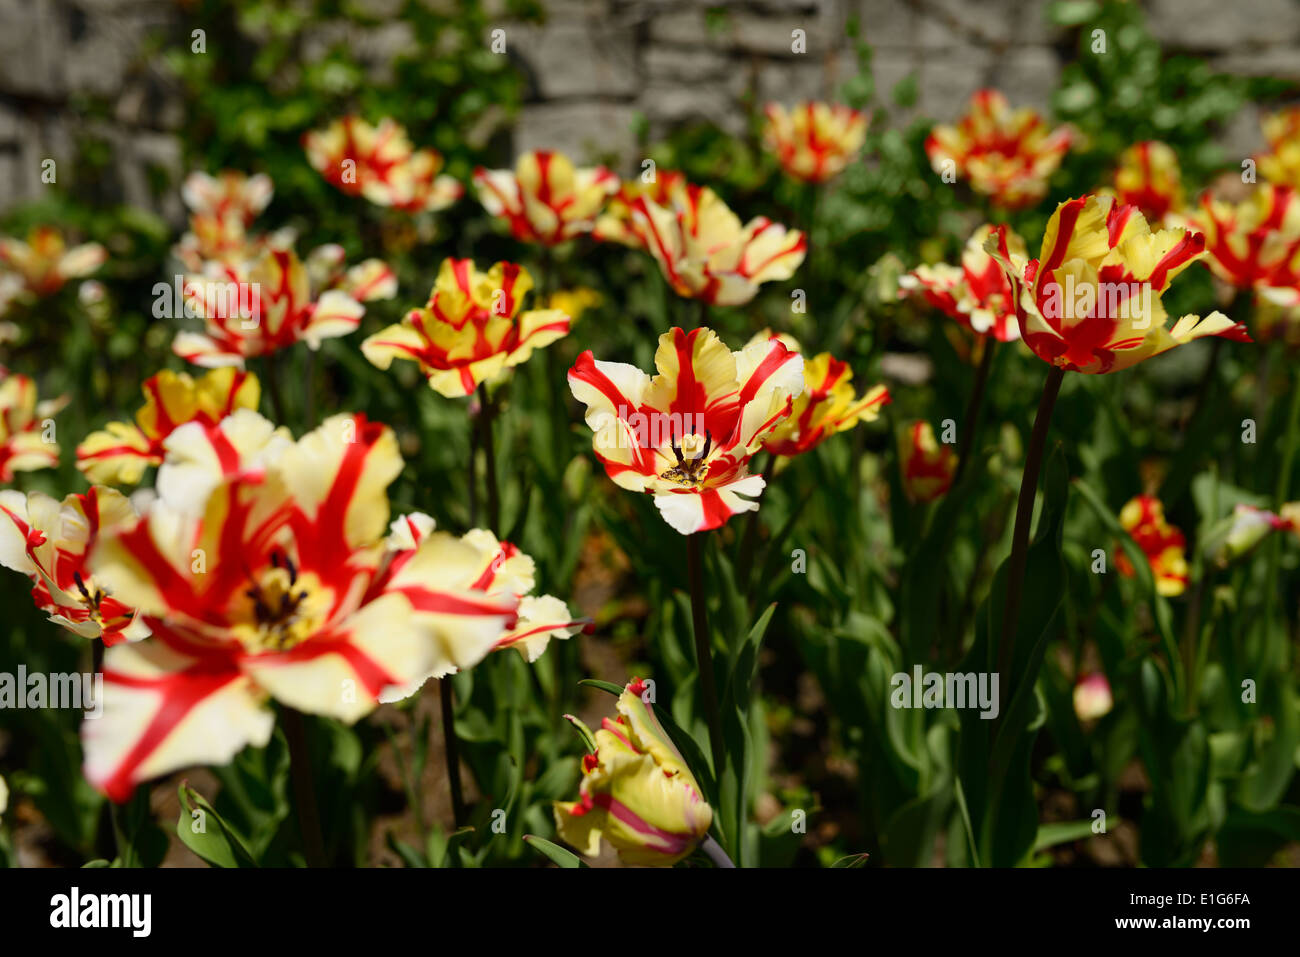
598,67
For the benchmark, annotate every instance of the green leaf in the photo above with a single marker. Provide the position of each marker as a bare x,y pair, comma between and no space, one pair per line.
1063,832
852,860
220,847
554,852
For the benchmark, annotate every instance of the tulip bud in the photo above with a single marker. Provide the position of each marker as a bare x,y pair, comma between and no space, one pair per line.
1092,697
928,467
1240,533
636,792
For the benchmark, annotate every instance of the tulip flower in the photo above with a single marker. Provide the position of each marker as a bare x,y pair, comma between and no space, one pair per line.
49,541
1254,245
1243,530
928,466
1281,163
1148,177
1143,517
45,263
472,330
1006,154
222,207
501,570
380,164
121,452
367,281
1092,302
257,308
262,570
686,436
545,199
228,194
617,224
814,142
705,253
827,405
977,294
1092,697
24,444
636,792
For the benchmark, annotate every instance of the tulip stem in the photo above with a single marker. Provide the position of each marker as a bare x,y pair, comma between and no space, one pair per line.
749,540
1020,535
714,852
451,749
304,791
703,650
492,496
273,387
970,426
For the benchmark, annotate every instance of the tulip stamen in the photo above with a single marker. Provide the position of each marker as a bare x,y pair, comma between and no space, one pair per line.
689,471
276,607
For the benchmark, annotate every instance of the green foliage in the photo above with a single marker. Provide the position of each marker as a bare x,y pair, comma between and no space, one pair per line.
844,583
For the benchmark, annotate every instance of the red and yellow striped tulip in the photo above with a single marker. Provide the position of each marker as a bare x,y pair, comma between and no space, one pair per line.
259,307
48,541
1149,178
222,207
229,193
617,224
977,294
705,253
501,570
1006,154
45,263
472,330
636,792
24,446
545,199
814,142
686,435
1143,517
1092,301
120,453
263,570
1254,245
1281,163
928,466
380,164
827,405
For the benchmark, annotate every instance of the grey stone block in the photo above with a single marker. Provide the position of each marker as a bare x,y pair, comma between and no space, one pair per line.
1216,25
587,131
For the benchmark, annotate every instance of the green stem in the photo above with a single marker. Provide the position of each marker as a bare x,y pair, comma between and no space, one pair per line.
703,649
970,425
1280,493
273,388
304,791
1020,535
714,852
451,749
492,496
749,540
